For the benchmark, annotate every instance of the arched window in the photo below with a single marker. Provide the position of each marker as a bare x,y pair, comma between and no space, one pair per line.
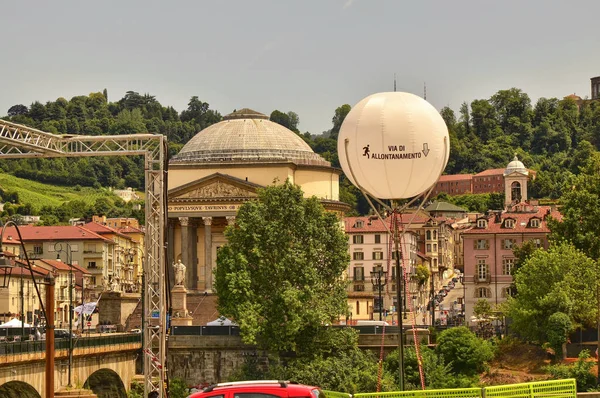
434,235
515,191
483,292
428,235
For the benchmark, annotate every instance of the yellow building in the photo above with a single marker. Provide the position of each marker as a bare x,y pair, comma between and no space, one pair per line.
221,168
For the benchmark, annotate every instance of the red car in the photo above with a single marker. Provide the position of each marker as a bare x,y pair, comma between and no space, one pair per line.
259,389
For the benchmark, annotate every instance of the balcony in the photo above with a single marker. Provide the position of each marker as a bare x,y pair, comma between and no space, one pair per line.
483,278
92,253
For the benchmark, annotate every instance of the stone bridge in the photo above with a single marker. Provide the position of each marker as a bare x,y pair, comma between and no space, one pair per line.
105,364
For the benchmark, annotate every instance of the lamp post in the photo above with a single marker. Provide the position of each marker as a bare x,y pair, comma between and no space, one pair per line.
399,278
379,280
58,248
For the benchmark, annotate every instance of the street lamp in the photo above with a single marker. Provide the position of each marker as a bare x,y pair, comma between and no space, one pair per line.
58,248
379,280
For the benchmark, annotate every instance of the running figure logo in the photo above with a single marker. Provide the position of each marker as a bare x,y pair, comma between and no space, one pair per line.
366,151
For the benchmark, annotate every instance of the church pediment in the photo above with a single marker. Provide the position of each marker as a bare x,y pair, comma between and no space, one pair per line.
215,186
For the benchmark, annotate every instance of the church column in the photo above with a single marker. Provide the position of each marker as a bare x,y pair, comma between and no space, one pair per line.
193,236
208,276
186,248
171,250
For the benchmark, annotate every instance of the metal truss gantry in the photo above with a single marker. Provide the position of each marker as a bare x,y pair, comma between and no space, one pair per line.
18,142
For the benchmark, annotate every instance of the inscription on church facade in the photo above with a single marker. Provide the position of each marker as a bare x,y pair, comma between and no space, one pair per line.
188,208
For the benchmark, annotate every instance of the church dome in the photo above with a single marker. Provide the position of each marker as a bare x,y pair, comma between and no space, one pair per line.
516,166
247,136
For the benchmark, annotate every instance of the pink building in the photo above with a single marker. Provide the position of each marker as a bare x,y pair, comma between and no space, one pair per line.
488,250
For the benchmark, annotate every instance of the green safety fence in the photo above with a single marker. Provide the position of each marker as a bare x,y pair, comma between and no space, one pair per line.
566,388
552,389
446,393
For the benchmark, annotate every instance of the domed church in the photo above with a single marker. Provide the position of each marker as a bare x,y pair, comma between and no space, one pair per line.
219,169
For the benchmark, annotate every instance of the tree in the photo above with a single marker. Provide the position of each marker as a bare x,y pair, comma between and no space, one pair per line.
16,110
280,274
466,353
560,279
483,309
559,327
338,118
580,211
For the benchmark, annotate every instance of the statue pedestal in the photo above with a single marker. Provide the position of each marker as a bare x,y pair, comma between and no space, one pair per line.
179,306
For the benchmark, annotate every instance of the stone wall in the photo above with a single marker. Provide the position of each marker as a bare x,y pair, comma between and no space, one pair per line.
208,359
116,307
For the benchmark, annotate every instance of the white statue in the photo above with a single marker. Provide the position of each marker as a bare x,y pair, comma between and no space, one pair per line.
179,268
115,285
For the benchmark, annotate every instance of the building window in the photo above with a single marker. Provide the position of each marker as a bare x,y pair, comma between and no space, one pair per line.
482,270
481,244
358,308
357,239
508,244
509,223
38,249
359,274
358,256
435,262
537,242
428,233
509,291
92,264
377,255
535,223
377,238
483,292
434,235
359,287
507,266
428,248
481,223
359,224
435,247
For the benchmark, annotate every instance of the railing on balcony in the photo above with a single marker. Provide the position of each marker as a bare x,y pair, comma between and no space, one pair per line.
483,278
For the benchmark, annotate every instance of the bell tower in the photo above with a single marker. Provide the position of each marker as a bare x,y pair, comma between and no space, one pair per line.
515,182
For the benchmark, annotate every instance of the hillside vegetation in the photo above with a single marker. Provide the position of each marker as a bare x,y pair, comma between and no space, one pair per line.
38,194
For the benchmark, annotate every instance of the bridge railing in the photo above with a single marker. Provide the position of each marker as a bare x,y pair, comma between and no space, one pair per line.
25,347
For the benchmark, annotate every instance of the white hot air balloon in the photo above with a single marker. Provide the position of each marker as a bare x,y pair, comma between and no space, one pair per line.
393,145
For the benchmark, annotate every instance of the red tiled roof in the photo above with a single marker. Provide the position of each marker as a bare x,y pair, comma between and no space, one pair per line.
21,270
53,233
490,172
8,254
130,230
522,223
419,218
455,177
369,224
103,229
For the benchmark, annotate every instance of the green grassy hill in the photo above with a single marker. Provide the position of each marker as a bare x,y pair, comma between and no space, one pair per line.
40,195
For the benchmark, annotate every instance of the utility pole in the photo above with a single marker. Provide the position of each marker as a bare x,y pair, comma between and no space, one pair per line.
399,277
22,308
49,281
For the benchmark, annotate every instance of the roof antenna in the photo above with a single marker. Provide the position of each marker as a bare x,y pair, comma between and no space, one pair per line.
425,90
394,82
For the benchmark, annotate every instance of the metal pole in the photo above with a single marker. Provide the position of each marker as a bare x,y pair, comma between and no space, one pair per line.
432,302
49,280
399,276
379,286
70,320
22,308
598,335
143,319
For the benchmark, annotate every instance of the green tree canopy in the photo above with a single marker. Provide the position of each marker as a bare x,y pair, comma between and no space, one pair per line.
466,353
280,274
561,279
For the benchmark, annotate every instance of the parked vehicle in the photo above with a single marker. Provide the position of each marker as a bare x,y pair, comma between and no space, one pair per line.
259,388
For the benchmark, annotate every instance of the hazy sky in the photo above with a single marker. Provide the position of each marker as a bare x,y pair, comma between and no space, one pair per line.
308,56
